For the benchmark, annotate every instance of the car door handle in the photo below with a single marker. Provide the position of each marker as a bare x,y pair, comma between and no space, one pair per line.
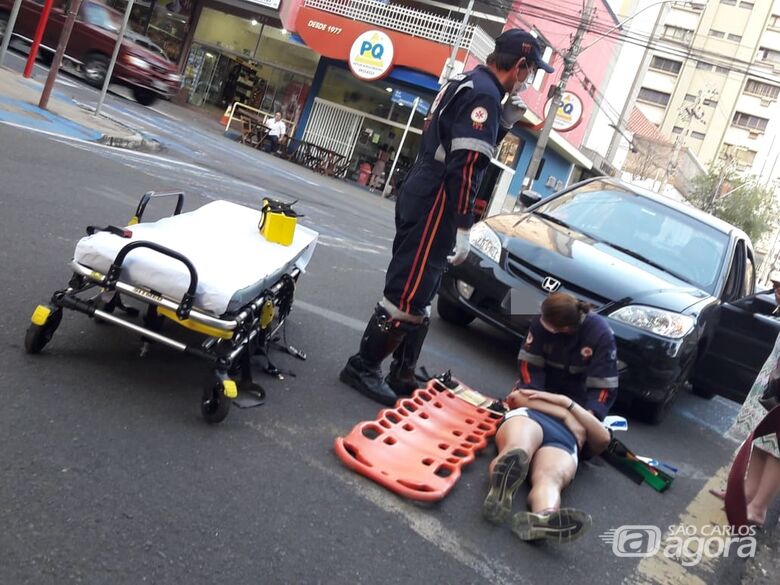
768,320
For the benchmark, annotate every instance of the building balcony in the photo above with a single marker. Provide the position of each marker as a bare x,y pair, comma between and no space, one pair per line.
408,21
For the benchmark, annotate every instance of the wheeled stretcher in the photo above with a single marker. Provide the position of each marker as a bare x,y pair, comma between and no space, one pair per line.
210,271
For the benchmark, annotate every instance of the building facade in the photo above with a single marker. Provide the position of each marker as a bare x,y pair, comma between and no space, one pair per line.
712,82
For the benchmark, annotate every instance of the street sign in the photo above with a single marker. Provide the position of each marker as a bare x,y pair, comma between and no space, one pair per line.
406,99
569,113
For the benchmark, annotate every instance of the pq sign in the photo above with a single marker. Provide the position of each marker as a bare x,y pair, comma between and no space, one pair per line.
371,55
569,113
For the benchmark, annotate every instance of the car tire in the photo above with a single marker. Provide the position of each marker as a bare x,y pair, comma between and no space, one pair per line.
3,24
145,97
95,69
654,413
703,392
451,312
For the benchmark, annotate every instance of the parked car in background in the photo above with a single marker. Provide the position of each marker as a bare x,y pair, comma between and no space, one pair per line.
148,73
676,285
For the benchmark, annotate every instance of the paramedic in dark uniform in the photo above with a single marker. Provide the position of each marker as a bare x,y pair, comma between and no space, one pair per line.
570,350
568,382
434,209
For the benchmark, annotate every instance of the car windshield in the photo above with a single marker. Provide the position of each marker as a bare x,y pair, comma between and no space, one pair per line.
100,16
662,236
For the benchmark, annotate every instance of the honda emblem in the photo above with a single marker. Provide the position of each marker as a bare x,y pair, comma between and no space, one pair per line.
550,285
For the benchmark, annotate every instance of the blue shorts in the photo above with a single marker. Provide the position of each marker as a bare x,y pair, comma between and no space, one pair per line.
554,432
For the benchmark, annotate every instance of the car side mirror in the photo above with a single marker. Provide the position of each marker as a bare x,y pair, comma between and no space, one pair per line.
528,198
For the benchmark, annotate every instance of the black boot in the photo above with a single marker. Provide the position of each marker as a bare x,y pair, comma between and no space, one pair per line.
401,378
364,369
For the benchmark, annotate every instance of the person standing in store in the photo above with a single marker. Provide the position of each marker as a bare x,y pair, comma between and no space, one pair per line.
276,130
434,209
378,170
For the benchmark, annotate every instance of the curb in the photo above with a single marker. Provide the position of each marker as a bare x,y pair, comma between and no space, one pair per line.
136,142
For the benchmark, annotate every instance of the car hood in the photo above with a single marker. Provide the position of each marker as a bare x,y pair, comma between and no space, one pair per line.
587,268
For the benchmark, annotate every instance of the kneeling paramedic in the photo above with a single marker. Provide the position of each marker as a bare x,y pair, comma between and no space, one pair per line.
434,209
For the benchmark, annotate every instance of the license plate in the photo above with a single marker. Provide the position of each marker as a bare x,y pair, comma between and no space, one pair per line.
525,301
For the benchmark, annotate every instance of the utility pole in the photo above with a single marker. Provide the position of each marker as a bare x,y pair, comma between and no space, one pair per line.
688,113
569,61
67,28
450,65
625,113
119,38
9,28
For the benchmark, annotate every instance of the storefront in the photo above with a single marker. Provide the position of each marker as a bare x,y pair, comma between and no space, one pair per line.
164,22
244,55
360,119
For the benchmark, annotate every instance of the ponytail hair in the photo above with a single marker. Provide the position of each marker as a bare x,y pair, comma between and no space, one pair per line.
562,310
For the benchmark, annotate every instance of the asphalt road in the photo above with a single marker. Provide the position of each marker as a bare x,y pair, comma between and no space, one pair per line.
110,476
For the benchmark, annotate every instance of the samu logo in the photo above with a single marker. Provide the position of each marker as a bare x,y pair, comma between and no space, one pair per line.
371,55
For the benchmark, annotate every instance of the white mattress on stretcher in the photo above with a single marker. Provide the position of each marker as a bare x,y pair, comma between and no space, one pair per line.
234,262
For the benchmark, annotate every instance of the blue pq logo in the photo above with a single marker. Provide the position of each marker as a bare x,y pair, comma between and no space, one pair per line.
375,49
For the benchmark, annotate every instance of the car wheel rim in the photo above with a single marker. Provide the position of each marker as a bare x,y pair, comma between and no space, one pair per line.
95,71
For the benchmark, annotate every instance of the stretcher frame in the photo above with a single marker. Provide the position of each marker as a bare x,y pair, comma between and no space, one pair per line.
230,340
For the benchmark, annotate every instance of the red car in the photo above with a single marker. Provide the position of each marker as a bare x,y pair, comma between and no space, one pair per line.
148,73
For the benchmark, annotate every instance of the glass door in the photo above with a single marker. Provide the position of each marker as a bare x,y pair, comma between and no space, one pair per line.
203,63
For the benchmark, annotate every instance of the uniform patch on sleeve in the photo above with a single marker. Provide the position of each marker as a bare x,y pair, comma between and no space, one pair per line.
479,115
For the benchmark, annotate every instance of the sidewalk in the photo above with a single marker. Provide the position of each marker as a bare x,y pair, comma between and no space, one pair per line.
19,105
764,569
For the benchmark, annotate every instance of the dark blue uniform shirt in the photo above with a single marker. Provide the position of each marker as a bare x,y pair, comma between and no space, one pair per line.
583,365
459,139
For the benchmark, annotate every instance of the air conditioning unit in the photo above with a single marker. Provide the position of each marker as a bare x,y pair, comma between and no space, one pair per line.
550,182
754,135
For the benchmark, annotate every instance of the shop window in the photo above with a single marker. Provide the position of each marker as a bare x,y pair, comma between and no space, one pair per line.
225,31
654,97
748,122
164,24
761,89
276,48
383,99
666,65
676,33
509,150
769,56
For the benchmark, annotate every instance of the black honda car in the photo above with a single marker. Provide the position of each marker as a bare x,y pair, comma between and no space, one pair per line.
676,285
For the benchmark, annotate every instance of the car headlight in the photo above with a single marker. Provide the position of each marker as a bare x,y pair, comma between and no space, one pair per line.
486,241
658,321
137,62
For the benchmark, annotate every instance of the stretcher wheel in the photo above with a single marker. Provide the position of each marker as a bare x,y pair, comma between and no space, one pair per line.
214,405
40,333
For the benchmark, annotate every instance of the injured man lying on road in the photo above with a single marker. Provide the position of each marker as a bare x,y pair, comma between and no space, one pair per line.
568,368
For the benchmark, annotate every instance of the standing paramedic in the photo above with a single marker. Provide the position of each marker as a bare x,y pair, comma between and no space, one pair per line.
433,212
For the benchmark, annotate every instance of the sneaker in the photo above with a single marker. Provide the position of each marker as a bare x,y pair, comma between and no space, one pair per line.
559,526
509,473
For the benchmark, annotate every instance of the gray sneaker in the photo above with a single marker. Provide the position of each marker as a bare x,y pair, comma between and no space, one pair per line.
560,526
509,473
